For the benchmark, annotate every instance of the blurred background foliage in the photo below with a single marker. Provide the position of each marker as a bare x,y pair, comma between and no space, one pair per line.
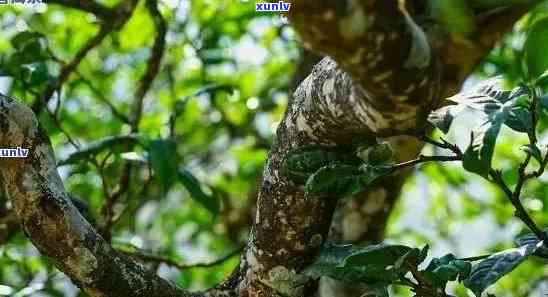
208,121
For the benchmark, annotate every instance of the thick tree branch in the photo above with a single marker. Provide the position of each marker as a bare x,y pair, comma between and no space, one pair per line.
367,92
88,6
53,223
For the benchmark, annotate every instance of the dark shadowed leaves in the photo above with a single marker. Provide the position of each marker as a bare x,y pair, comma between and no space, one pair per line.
112,143
371,264
339,179
490,270
301,163
164,162
532,239
445,269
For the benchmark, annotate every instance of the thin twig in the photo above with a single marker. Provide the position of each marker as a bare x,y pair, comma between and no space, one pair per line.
153,64
149,257
115,112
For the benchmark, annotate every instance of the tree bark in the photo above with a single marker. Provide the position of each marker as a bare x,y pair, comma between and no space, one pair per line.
362,90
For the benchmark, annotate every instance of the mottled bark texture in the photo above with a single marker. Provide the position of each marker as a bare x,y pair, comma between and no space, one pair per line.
361,90
54,225
362,220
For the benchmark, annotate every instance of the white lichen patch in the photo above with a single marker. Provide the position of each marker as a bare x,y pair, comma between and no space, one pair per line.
252,259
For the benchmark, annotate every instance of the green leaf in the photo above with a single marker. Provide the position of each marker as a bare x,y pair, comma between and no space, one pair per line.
447,268
520,120
191,183
495,106
543,102
30,47
531,239
371,264
339,179
486,97
535,49
490,270
380,153
114,143
23,39
164,162
371,173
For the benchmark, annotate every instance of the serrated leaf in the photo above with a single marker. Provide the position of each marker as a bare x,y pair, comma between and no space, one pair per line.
114,143
369,264
486,97
520,120
495,106
531,239
535,48
490,270
164,161
338,179
192,185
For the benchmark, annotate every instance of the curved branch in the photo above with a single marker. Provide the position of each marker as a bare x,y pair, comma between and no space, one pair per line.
53,223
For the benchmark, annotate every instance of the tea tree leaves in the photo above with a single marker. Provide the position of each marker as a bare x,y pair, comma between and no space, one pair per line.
164,162
445,269
380,153
532,239
111,143
339,179
329,171
192,185
496,107
371,264
488,271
